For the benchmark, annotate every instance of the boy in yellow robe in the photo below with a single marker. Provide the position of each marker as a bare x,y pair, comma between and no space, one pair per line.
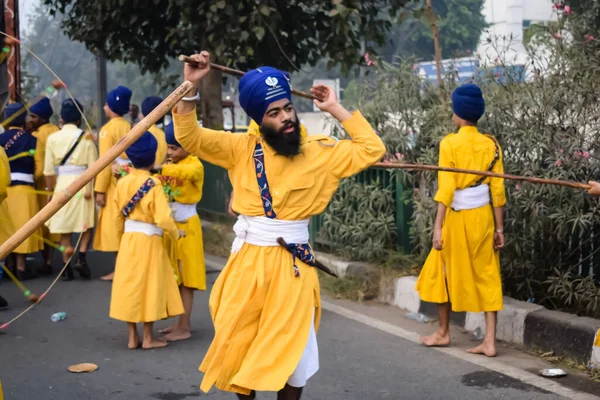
144,289
69,153
39,120
462,271
186,174
117,105
148,105
265,304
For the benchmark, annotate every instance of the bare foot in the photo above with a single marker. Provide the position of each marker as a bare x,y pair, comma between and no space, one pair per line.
484,348
154,344
168,330
108,277
436,340
134,343
178,334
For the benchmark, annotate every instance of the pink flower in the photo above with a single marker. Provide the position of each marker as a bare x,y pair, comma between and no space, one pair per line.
556,36
558,163
557,6
568,10
588,38
586,154
399,156
368,60
562,150
577,154
517,186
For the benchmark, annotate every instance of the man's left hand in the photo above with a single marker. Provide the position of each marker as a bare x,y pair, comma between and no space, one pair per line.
595,188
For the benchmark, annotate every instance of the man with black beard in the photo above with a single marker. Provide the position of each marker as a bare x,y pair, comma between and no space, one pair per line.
266,304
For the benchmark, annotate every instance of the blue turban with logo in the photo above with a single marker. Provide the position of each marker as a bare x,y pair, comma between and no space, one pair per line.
13,109
170,135
42,109
142,153
261,87
468,103
118,100
69,111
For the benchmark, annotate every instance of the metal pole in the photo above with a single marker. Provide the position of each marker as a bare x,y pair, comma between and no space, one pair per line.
101,89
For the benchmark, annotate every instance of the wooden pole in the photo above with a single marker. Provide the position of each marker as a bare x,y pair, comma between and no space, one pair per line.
239,74
436,44
576,185
60,199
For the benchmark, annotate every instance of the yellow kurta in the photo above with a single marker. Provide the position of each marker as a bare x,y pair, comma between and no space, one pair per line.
42,134
189,174
161,151
144,288
78,215
262,313
468,256
105,238
7,228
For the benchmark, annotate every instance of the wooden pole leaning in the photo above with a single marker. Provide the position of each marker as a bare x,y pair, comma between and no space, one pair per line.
62,198
576,185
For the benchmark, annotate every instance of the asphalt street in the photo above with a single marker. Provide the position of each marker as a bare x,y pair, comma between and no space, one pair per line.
358,362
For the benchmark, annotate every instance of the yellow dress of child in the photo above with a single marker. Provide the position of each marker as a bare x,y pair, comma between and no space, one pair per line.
105,237
7,228
159,135
189,177
144,288
468,257
42,134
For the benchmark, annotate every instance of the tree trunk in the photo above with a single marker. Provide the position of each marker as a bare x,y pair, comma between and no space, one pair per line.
436,44
210,101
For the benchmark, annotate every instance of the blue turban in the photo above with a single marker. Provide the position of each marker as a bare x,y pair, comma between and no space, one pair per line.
170,135
11,110
468,103
142,153
118,100
149,104
261,87
42,109
69,112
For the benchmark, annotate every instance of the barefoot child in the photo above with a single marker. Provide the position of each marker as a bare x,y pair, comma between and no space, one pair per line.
144,287
463,269
187,172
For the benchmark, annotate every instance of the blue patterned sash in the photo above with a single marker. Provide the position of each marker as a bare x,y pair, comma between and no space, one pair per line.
142,191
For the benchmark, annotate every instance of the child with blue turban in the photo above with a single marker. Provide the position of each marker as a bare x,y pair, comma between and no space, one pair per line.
144,289
463,268
268,297
148,105
117,105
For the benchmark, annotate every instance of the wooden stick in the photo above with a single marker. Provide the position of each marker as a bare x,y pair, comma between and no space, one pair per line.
60,199
239,74
576,185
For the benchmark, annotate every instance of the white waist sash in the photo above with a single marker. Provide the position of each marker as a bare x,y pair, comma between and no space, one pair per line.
70,169
20,176
182,212
262,231
122,161
470,198
142,227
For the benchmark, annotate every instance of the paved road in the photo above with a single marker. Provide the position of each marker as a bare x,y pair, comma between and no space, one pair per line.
357,361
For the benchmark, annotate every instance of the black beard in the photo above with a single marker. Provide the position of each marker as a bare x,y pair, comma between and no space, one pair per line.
287,145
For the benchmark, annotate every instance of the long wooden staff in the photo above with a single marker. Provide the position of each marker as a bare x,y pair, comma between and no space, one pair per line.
239,74
60,199
576,185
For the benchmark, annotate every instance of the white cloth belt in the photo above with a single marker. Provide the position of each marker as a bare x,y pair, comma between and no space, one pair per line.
20,176
70,169
122,161
262,231
470,198
142,227
182,212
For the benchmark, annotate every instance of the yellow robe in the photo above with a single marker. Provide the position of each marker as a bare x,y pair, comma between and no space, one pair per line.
42,134
78,215
7,228
105,238
161,152
472,265
262,313
144,288
189,173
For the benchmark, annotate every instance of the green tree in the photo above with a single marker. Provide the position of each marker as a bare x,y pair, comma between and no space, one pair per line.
243,34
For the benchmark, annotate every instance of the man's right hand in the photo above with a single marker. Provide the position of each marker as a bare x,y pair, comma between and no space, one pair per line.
595,188
101,200
195,73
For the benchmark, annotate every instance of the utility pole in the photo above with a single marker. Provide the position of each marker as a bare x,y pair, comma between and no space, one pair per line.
100,87
3,67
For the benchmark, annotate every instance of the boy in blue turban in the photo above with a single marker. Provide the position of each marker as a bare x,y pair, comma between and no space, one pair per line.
70,152
265,305
144,288
39,120
117,105
462,271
